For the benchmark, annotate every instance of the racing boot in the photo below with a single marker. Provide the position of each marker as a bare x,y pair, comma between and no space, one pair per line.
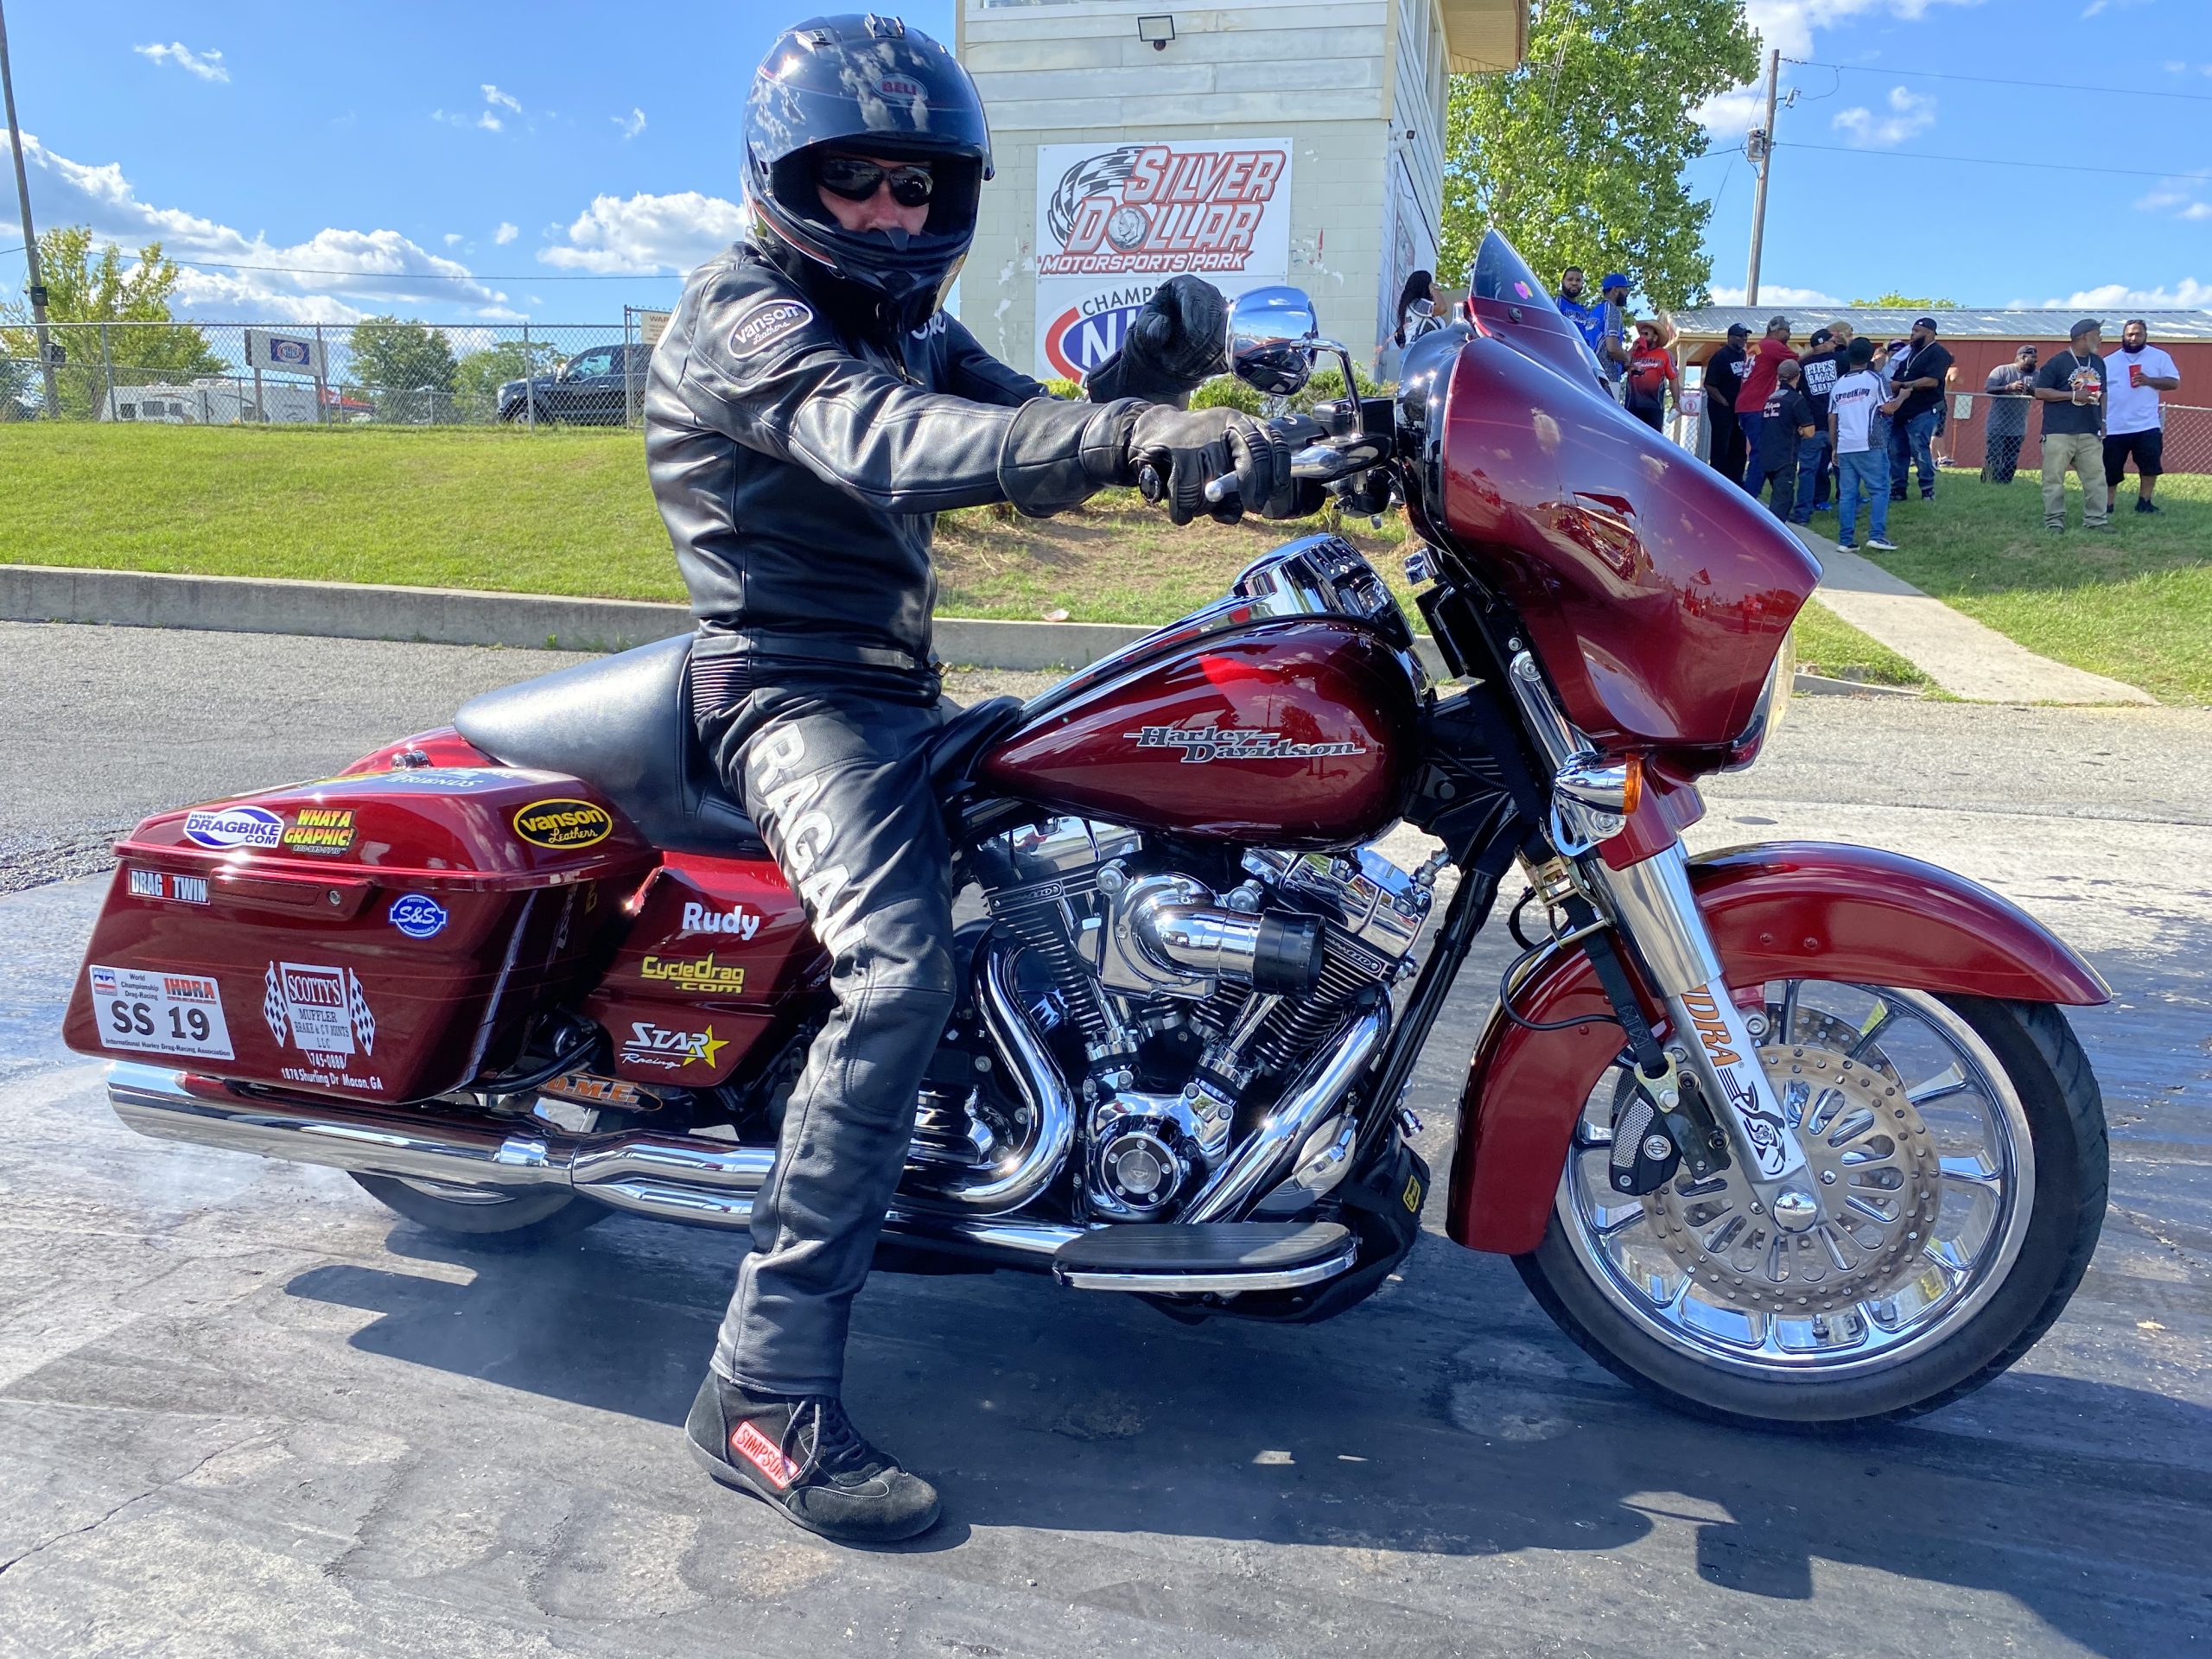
801,1455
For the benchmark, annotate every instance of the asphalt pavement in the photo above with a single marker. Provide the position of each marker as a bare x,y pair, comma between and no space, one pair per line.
244,1410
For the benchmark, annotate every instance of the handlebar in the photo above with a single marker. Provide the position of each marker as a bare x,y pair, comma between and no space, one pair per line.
1320,462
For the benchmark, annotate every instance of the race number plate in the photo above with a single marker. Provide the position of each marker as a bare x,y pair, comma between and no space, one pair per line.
159,1012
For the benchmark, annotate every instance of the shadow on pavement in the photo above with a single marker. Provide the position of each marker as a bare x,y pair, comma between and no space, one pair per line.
1445,1419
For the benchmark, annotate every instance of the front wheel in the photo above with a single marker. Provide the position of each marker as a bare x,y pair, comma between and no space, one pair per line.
1957,1147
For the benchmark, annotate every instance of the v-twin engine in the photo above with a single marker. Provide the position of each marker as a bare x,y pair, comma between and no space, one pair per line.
1195,1005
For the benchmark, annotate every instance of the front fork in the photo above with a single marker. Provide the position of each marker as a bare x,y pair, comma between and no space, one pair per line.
1652,903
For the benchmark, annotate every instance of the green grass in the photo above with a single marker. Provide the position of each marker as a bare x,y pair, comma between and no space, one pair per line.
2135,602
1827,645
563,512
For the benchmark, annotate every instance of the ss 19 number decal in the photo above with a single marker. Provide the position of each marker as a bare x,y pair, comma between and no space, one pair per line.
159,1012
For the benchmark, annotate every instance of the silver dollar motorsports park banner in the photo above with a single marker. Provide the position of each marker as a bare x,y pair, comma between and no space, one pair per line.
1114,220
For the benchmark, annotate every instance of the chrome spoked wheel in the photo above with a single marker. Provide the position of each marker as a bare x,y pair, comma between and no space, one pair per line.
1923,1166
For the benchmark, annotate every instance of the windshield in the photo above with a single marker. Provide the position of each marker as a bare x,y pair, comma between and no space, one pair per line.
1505,299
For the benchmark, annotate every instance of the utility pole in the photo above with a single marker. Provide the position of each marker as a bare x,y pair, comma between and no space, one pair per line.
1760,142
30,235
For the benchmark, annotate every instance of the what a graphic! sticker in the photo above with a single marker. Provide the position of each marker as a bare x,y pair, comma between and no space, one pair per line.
158,1013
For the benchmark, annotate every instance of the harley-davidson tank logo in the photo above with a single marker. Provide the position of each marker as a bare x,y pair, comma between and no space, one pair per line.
1203,744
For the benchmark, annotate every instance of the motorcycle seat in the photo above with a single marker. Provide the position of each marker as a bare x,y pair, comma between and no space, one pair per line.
623,725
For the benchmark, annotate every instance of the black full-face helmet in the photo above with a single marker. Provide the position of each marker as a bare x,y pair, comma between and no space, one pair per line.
866,86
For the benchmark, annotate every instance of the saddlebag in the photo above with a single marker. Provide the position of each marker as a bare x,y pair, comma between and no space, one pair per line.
384,935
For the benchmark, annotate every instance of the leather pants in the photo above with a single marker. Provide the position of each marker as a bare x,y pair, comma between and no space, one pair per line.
835,774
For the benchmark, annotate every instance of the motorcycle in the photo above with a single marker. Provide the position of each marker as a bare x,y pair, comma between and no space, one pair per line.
1789,1134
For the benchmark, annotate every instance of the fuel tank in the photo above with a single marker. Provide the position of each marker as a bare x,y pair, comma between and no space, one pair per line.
1298,732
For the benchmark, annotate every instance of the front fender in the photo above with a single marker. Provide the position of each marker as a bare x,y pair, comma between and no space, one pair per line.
1787,910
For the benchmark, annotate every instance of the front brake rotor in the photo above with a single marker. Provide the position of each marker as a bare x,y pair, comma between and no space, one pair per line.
1870,1161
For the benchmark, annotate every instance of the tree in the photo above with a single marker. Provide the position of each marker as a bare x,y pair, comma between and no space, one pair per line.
1577,156
480,374
390,355
1907,302
85,287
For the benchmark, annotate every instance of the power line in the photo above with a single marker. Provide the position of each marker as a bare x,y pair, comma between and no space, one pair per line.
1993,80
1994,161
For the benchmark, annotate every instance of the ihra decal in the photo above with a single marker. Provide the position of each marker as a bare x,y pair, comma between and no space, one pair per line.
1204,744
324,1012
737,921
234,826
765,323
670,1050
160,1012
322,829
563,825
700,976
418,916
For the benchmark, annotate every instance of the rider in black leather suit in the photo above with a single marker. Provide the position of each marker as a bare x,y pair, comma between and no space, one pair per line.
811,408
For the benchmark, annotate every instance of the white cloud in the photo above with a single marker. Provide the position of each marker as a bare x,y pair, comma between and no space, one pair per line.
2187,295
453,238
208,65
647,233
335,268
500,100
505,234
2197,210
1779,294
2178,196
489,122
632,124
1788,25
1910,115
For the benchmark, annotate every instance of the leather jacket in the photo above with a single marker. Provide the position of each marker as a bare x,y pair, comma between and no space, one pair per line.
800,450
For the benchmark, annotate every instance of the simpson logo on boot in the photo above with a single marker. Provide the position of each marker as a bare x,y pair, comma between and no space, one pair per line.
763,1453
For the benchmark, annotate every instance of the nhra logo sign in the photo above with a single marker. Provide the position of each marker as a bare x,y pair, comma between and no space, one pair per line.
1160,208
1087,333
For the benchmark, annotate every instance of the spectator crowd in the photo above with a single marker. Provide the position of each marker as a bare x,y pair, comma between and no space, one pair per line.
1850,420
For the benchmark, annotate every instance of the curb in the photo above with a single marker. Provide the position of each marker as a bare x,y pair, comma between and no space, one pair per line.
1820,686
459,616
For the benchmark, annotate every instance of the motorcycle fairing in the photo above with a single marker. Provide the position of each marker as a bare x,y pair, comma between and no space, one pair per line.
1782,910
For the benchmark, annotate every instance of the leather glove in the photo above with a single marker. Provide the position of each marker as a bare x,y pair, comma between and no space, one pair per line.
1179,339
1186,450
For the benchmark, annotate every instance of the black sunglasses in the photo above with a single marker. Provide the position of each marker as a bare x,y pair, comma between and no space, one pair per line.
857,180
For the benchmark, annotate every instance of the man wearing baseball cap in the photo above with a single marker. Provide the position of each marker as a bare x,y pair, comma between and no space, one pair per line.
2071,389
1724,380
1613,327
1919,384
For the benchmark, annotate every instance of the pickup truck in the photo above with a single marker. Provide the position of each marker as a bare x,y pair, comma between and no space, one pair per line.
588,388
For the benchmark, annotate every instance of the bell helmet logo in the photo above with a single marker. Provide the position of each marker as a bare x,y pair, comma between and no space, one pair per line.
904,88
1081,338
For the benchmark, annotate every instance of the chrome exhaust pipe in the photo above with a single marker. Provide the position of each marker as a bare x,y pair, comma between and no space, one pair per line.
1266,1157
675,1176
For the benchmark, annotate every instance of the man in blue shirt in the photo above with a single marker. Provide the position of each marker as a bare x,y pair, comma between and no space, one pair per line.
1588,319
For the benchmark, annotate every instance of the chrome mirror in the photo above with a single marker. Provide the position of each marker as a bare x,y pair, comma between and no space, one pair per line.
1272,338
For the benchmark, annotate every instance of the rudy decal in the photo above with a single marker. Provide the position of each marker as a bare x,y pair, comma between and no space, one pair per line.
737,921
562,824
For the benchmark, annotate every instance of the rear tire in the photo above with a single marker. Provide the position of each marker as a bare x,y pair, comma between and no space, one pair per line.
2043,1062
524,1219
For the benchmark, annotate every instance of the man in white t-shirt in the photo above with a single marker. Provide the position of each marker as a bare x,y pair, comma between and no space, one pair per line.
2134,425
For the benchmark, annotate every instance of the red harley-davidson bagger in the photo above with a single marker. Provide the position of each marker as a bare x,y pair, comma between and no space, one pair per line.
1794,1132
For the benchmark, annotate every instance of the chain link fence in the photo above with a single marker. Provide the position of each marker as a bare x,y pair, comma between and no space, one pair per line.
374,374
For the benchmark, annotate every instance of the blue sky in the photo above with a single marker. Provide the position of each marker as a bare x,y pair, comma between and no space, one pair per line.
492,161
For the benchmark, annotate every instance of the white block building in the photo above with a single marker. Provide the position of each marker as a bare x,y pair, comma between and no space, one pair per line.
1249,141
